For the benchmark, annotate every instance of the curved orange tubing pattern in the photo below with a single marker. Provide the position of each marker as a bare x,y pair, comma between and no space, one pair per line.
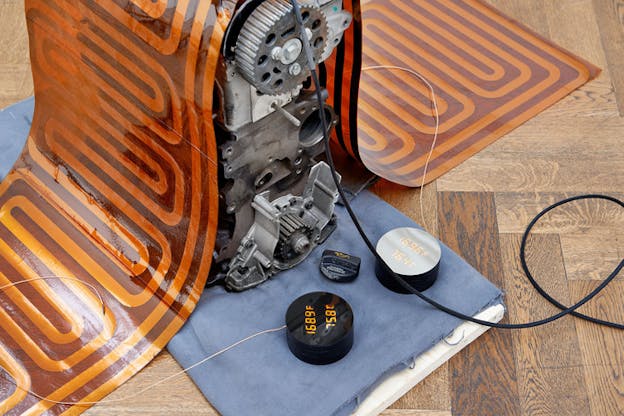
490,75
117,187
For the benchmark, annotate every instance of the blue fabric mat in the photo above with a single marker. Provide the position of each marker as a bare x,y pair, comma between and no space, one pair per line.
15,123
261,377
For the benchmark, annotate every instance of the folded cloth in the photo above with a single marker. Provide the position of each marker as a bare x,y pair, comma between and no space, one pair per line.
262,377
15,124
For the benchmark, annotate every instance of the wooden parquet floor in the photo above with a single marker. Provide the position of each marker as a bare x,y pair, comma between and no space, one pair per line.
480,209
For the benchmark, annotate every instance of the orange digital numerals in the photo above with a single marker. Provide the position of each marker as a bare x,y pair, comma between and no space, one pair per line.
310,320
330,315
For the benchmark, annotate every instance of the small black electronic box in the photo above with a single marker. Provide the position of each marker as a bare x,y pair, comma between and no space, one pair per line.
411,253
319,327
339,267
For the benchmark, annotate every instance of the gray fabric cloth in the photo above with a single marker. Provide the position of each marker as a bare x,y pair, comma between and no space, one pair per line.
15,123
262,377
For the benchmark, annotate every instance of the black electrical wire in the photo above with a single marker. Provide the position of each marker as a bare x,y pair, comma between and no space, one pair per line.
564,310
529,275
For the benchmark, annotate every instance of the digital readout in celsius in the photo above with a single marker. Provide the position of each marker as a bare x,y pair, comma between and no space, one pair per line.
320,327
311,321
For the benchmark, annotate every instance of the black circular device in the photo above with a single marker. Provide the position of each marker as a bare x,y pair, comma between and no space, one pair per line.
339,267
319,327
411,253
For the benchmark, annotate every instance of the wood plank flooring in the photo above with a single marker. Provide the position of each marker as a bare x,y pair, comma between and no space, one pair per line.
481,209
483,375
610,14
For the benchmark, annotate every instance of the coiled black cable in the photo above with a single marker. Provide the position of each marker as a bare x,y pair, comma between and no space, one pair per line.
540,289
571,310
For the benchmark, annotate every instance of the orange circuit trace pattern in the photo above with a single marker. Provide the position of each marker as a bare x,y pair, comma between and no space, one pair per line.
117,187
489,73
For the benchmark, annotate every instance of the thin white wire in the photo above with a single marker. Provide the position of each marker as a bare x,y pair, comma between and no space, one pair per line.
151,386
436,115
267,331
85,403
54,277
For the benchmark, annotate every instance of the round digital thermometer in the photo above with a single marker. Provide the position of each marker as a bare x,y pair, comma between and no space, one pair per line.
319,327
411,253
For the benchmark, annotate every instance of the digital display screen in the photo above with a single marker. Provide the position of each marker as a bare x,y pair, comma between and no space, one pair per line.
311,322
319,318
409,251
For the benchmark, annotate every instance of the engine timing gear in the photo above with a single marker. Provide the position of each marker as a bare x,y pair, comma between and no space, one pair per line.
269,52
294,242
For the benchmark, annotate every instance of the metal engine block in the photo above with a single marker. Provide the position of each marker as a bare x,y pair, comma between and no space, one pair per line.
276,199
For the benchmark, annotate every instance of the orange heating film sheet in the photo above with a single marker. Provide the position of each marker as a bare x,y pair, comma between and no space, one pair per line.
490,75
117,187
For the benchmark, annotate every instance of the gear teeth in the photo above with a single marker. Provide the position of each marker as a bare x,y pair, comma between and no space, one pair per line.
290,223
271,17
261,21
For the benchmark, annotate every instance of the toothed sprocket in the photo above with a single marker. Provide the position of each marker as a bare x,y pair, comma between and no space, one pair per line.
269,51
294,242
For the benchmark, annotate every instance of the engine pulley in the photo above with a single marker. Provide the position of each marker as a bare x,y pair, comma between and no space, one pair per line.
269,50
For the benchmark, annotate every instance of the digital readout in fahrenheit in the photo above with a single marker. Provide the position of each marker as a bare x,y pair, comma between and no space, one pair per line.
414,246
310,318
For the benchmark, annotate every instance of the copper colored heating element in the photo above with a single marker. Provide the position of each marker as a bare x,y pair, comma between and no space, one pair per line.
117,186
490,75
